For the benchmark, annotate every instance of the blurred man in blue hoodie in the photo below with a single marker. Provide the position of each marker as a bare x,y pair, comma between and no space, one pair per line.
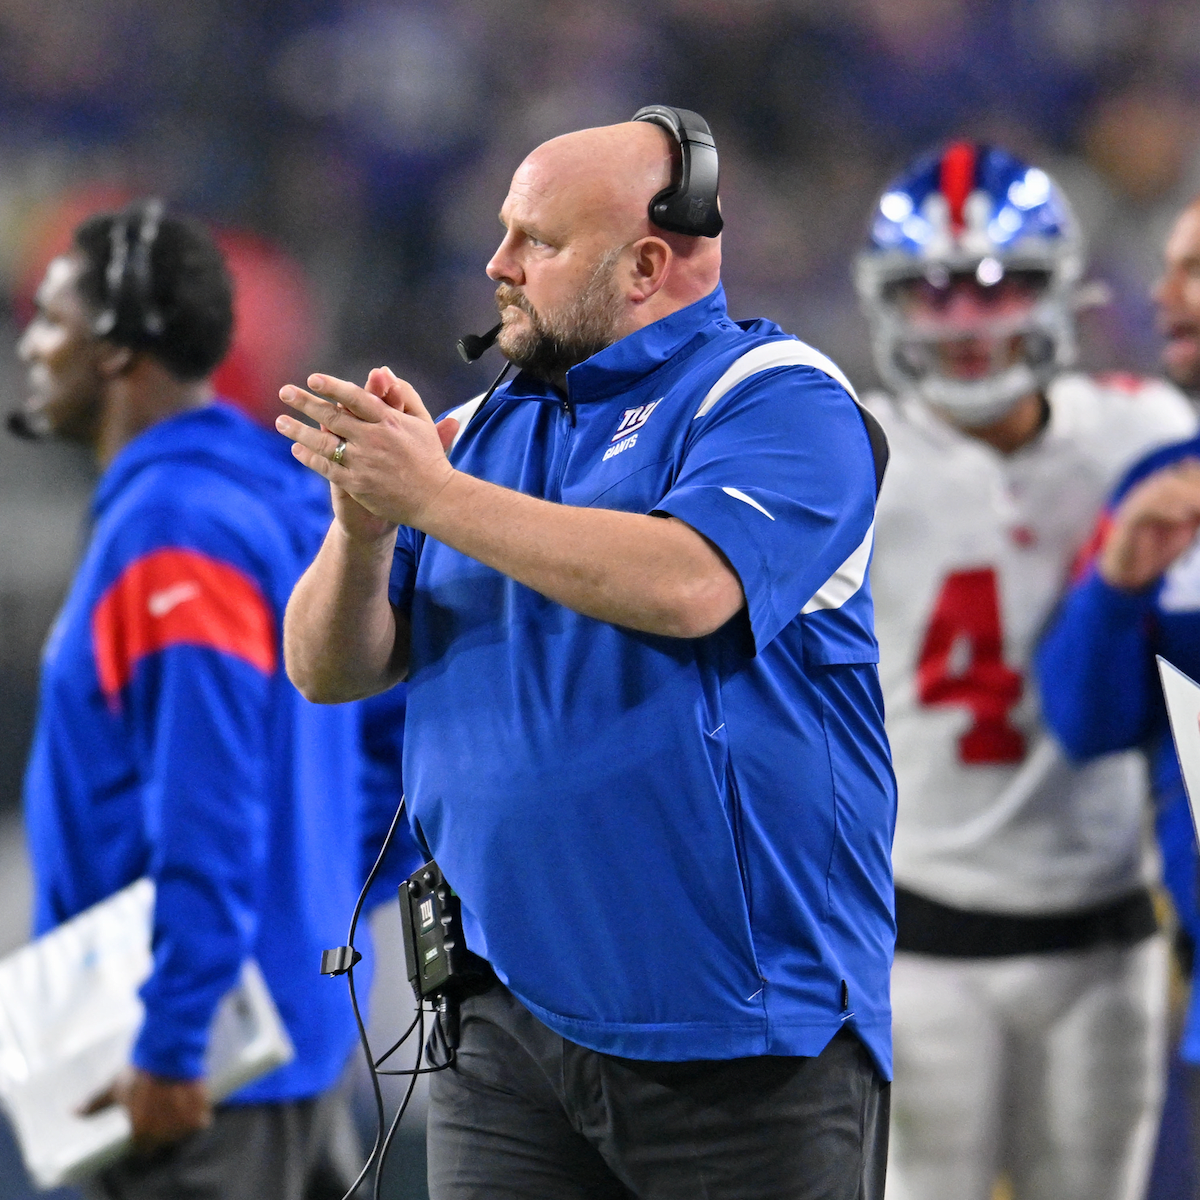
1138,595
169,741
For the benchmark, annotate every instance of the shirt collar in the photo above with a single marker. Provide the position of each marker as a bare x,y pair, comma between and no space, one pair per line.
216,434
617,368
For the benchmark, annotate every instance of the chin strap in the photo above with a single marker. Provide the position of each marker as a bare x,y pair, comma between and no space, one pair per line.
983,401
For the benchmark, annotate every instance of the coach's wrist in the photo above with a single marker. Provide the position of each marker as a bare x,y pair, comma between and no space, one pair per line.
363,543
440,509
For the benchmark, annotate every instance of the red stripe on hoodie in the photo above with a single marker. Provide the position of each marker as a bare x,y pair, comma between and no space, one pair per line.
175,597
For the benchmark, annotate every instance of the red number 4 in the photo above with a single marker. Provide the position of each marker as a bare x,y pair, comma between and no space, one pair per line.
966,617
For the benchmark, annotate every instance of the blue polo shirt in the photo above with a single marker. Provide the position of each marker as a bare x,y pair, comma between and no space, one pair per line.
669,848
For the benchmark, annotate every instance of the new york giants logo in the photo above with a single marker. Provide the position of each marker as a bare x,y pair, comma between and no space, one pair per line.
634,419
626,436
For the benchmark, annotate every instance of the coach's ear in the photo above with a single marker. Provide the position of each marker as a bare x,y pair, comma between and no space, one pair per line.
649,263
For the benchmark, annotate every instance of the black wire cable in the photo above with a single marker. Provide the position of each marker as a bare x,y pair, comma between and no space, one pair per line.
379,1114
383,1140
495,384
486,396
436,1036
381,1119
403,1038
421,1070
412,1083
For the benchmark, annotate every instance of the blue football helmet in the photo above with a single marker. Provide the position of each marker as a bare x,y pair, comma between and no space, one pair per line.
972,211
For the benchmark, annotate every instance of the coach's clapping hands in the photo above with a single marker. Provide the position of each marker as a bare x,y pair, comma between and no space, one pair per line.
377,445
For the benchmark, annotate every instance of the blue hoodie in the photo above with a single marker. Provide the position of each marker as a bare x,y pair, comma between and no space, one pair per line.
1100,690
169,742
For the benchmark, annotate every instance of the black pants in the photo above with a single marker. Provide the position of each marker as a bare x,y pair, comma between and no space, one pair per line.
527,1115
301,1150
1192,1078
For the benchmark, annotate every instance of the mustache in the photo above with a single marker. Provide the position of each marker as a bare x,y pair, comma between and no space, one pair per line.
507,295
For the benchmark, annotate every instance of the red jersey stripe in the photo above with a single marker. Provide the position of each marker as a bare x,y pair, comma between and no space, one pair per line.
956,180
176,597
1090,550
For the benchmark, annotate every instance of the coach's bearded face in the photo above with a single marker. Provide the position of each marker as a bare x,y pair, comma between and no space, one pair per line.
553,340
580,266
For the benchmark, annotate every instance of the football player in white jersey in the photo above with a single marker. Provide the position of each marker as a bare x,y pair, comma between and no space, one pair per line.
1029,989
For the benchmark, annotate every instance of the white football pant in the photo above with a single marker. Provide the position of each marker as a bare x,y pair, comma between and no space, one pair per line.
1046,1067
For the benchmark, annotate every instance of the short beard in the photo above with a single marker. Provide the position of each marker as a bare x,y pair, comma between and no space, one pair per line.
557,341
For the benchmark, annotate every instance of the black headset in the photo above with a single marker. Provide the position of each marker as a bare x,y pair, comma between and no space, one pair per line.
128,306
688,205
129,309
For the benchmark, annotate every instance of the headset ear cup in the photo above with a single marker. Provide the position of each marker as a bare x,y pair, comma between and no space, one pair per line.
689,204
129,308
141,267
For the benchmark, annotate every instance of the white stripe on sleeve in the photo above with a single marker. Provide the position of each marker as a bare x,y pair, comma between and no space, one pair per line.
846,580
783,353
738,494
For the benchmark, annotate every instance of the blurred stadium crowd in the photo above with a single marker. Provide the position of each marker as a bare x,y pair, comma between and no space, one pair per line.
371,143
355,153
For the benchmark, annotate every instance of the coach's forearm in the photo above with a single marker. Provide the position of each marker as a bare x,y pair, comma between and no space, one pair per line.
342,640
654,574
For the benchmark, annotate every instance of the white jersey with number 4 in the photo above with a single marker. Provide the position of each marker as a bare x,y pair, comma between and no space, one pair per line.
972,551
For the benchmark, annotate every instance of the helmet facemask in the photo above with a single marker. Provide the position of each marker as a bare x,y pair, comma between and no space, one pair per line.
972,344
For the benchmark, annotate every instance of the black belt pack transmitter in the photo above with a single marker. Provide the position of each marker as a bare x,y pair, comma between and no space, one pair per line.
440,968
435,950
